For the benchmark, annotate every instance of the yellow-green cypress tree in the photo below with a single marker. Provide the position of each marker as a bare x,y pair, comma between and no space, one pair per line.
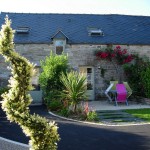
43,134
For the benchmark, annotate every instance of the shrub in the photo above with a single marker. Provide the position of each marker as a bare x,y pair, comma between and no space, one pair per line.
92,116
53,100
43,134
135,73
146,81
89,115
75,88
49,79
64,112
54,105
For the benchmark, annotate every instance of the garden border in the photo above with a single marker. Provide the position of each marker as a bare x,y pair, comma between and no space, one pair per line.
100,124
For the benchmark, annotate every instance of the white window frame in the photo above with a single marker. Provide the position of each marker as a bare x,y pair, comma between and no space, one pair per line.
35,78
63,44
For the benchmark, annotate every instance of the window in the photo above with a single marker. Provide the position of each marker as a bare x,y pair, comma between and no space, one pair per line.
89,79
59,46
89,70
59,40
95,32
22,30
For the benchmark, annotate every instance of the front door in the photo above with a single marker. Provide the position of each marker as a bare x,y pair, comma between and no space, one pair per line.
89,73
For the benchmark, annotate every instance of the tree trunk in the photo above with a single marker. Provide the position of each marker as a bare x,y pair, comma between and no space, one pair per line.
120,73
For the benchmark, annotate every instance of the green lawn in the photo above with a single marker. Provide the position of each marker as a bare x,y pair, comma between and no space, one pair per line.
140,113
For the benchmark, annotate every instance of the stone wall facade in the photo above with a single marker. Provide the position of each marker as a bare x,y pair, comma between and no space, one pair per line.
79,55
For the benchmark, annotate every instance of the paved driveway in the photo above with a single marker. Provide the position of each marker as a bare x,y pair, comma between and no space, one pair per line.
78,136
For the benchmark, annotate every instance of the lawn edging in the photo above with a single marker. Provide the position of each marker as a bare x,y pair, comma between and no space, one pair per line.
93,123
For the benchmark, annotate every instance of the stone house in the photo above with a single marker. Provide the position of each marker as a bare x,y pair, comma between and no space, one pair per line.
79,35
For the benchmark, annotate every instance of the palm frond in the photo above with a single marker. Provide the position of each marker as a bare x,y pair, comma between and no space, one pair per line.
75,86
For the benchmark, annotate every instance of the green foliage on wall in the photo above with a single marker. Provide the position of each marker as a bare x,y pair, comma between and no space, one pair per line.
138,76
146,81
117,56
43,134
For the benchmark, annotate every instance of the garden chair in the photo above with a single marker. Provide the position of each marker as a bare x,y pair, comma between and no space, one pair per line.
129,91
114,84
121,94
113,90
107,91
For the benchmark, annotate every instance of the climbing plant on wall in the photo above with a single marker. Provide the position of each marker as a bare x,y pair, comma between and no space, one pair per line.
43,134
116,56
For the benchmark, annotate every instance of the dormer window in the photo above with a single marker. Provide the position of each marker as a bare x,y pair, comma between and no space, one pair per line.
22,30
59,40
95,32
59,46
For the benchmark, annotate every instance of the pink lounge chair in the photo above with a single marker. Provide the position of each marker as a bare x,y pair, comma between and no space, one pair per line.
121,94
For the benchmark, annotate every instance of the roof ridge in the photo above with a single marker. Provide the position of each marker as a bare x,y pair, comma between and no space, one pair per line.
74,14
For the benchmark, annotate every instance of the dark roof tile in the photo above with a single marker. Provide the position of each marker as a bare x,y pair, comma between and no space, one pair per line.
118,29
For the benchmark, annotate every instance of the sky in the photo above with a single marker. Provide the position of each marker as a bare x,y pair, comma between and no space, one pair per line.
128,7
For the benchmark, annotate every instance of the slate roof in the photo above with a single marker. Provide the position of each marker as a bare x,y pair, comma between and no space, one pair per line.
117,29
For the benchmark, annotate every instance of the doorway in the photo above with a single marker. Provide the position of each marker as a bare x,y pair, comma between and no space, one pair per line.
88,71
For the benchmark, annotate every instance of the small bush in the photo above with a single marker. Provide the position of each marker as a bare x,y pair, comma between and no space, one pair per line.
138,76
54,105
92,116
52,98
64,112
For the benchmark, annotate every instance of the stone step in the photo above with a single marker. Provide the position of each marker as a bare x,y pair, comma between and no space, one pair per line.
116,116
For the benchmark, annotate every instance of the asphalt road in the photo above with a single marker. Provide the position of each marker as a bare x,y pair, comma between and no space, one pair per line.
79,136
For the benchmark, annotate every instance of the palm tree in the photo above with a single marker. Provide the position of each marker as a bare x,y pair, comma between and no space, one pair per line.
75,88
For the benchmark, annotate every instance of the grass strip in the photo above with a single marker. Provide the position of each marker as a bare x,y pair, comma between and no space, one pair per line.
140,113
